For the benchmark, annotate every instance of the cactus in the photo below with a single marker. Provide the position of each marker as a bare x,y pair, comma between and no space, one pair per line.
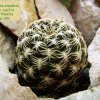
51,54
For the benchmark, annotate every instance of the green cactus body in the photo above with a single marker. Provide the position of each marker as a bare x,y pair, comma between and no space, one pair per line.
66,2
50,54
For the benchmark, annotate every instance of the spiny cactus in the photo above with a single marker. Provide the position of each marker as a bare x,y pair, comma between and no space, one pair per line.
50,54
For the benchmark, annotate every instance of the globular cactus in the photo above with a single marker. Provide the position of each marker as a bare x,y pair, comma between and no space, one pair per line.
50,54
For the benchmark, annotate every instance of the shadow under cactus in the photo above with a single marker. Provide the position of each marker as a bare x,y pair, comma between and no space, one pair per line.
82,83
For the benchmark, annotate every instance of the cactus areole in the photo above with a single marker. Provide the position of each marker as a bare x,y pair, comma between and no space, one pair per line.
50,54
